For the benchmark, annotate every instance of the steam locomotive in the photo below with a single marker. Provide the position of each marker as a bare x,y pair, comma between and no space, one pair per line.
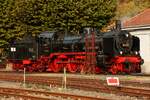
113,52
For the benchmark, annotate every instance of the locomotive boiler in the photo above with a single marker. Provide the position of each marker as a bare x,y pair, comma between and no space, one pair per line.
113,52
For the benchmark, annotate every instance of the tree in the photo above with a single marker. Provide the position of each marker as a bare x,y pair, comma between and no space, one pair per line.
6,23
16,20
20,17
63,14
75,14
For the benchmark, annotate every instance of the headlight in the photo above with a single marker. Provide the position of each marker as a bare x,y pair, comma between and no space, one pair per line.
121,52
136,52
127,35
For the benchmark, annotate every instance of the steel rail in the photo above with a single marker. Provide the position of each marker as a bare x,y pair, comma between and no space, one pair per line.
24,97
85,84
23,92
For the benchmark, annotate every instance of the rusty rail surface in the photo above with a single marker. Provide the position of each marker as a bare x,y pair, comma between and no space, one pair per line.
133,91
24,97
27,94
80,83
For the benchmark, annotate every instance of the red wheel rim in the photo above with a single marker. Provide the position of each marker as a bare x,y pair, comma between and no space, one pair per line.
31,69
72,67
41,70
56,67
41,67
81,68
113,69
98,70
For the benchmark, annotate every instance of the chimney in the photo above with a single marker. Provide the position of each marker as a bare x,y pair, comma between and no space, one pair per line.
118,25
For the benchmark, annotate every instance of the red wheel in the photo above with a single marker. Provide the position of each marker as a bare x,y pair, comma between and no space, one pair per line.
17,67
41,67
138,68
127,69
98,70
72,67
56,67
31,69
81,68
113,69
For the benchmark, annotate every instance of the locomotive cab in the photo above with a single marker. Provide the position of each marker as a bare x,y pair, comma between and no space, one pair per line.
21,49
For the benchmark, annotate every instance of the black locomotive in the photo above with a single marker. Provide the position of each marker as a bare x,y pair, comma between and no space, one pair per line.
116,51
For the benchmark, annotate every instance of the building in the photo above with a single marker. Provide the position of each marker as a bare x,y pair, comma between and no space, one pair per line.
139,25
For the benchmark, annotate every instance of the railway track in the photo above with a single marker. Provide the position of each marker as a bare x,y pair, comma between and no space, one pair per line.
42,95
131,91
120,90
83,84
58,80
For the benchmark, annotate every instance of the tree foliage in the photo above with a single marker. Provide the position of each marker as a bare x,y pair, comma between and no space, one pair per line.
20,17
75,14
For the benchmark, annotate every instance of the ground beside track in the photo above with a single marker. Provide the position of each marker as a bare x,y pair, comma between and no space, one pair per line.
139,77
59,89
62,90
134,77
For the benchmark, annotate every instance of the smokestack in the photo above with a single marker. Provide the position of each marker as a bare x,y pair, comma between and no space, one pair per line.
118,25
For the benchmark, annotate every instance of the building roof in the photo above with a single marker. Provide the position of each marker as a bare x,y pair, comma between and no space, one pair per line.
141,19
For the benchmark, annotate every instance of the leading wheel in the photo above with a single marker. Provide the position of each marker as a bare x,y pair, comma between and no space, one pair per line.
56,67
